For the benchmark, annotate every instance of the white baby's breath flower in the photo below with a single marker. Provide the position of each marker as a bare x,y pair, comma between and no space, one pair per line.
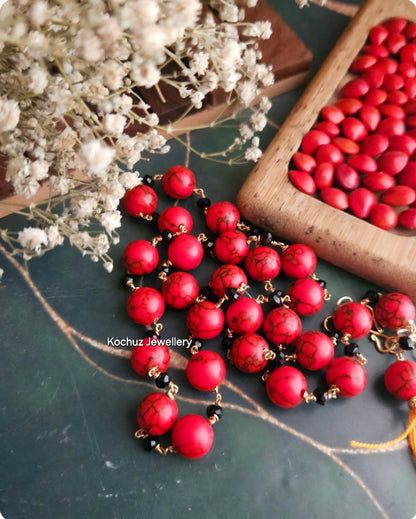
60,184
96,156
84,207
199,63
258,121
9,114
114,124
129,180
39,169
32,238
55,237
108,265
111,220
38,12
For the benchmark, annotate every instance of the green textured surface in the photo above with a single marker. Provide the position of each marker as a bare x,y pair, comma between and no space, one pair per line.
68,408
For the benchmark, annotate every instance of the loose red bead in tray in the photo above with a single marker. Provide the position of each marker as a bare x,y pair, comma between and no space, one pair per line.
360,155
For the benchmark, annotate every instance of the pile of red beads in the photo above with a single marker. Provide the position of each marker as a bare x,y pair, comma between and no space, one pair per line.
361,155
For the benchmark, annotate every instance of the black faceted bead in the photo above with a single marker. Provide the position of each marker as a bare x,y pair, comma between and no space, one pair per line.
214,410
197,343
151,334
227,343
150,443
406,343
162,380
165,269
321,396
255,231
232,294
167,235
127,281
266,238
275,299
321,283
206,292
351,349
372,296
208,247
279,361
148,180
203,203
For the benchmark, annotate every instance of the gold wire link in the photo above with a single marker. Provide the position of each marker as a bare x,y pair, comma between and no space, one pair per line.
165,450
156,240
261,299
153,372
333,391
325,323
162,276
269,354
253,239
157,177
140,434
147,217
282,246
173,390
345,339
242,226
218,397
265,376
182,230
221,301
242,288
213,419
291,357
268,286
412,403
130,284
228,354
158,326
229,334
200,192
344,299
327,294
309,397
202,237
361,359
193,350
200,299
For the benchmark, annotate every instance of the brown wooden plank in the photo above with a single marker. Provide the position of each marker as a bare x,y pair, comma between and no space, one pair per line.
268,199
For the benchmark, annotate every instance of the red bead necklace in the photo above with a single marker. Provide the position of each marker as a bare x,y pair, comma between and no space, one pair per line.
262,334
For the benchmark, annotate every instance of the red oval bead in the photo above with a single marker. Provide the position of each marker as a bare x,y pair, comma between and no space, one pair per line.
303,181
407,69
354,129
411,122
353,319
355,88
327,127
403,143
400,379
347,146
180,290
349,106
378,34
179,182
222,216
227,276
409,31
304,162
383,216
374,77
205,370
144,358
307,297
140,257
393,82
363,163
346,176
392,162
375,97
391,126
410,107
332,114
348,375
282,326
399,196
391,110
324,175
407,218
408,176
374,144
408,53
397,97
361,201
231,247
329,153
175,219
140,200
286,386
378,181
314,350
394,311
313,139
262,263
156,413
396,24
387,65
144,305
298,261
395,42
192,436
363,63
335,197
247,353
244,316
379,51
185,252
204,320
370,117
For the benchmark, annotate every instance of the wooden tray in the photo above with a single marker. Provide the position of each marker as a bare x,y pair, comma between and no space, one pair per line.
268,199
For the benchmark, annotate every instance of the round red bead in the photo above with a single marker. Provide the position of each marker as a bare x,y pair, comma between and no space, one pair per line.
205,370
227,276
262,263
175,219
185,252
353,319
144,305
205,320
282,326
179,182
180,290
156,413
298,261
314,350
192,436
400,379
140,257
222,216
140,200
394,311
307,296
247,353
286,386
244,315
231,247
144,358
347,374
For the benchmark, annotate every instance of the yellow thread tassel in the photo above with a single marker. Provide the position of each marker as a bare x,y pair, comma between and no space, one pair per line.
409,433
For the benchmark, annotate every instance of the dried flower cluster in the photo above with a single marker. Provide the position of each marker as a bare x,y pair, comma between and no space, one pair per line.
71,77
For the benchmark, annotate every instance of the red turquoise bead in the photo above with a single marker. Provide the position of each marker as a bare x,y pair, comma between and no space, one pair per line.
298,261
205,370
227,276
180,290
286,386
175,219
353,319
140,257
144,358
231,247
400,379
244,316
185,252
247,353
222,216
140,200
156,413
348,375
307,297
205,320
282,326
314,350
178,182
145,305
192,436
394,311
262,263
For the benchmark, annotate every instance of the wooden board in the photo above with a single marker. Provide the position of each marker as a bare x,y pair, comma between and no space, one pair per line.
268,198
288,56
